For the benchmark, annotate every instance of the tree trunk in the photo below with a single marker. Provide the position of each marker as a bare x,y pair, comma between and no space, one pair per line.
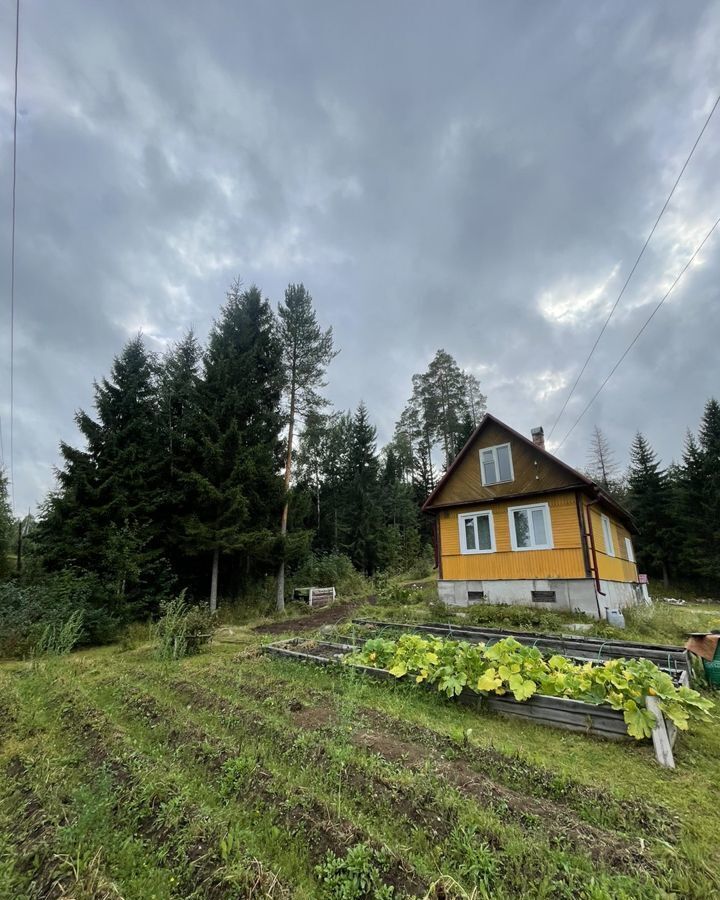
665,575
214,581
280,599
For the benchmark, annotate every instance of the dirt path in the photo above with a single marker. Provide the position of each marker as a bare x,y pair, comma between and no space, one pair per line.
327,615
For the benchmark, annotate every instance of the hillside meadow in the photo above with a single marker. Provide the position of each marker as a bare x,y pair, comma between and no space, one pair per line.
231,774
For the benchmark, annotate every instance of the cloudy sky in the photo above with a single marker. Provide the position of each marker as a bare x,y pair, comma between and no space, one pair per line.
473,176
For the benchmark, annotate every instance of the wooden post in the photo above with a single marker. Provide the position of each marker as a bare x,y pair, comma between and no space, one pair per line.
661,739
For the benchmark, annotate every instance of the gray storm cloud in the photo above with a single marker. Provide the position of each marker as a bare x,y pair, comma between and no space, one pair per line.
473,176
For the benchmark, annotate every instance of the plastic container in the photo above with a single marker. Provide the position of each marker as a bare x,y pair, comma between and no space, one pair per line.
712,668
615,617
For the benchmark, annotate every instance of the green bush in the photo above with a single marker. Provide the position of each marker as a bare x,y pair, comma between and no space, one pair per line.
29,608
182,630
329,570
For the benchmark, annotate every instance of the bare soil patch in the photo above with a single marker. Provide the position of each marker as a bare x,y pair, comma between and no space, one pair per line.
562,827
311,717
326,615
519,774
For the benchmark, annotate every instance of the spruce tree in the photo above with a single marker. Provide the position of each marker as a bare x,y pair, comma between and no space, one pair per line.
237,486
400,541
307,351
181,417
104,517
699,500
650,503
363,519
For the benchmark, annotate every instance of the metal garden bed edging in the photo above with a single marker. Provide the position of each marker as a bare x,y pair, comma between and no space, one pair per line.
674,660
558,712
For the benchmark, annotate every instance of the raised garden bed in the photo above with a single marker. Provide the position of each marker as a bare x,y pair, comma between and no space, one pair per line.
674,660
559,712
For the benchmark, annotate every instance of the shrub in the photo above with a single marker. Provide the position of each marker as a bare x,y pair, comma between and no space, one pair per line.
29,608
330,570
182,630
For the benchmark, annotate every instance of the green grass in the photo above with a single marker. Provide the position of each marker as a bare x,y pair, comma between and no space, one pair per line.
232,774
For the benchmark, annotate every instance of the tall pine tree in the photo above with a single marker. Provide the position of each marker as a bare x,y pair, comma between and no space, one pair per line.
307,351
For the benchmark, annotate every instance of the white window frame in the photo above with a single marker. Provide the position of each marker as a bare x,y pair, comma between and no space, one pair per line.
607,535
630,550
461,528
548,527
494,449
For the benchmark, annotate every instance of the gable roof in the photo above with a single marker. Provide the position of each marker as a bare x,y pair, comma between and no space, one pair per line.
581,481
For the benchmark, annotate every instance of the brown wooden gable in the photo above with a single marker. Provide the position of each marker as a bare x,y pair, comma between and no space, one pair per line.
534,471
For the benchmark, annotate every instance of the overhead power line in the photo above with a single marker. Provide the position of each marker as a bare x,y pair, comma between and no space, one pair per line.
12,263
635,265
644,326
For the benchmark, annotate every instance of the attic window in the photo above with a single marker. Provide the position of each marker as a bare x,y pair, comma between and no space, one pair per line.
496,464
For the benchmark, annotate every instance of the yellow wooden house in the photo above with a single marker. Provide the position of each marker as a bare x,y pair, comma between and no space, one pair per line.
514,524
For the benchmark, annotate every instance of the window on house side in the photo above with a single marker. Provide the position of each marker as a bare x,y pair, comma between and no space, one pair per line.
629,550
530,527
477,534
607,536
496,464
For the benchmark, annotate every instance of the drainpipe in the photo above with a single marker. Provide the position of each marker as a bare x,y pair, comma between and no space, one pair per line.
598,589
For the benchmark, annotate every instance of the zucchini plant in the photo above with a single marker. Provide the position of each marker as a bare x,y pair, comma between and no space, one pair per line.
510,667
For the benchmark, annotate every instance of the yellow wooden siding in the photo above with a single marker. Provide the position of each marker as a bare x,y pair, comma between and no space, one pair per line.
612,568
532,470
565,560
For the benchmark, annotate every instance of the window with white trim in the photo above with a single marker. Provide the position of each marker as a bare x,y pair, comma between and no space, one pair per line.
477,532
629,550
530,527
607,536
496,465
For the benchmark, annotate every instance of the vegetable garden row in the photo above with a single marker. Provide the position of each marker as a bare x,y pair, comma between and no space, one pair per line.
616,698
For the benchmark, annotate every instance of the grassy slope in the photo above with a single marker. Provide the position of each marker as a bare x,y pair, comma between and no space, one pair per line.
231,775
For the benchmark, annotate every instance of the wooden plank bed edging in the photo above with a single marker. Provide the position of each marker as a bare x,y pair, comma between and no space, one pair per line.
557,712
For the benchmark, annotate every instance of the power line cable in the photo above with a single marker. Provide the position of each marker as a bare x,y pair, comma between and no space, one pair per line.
635,339
12,263
632,271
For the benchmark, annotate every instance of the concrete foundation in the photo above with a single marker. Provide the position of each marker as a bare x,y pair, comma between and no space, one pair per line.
575,595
